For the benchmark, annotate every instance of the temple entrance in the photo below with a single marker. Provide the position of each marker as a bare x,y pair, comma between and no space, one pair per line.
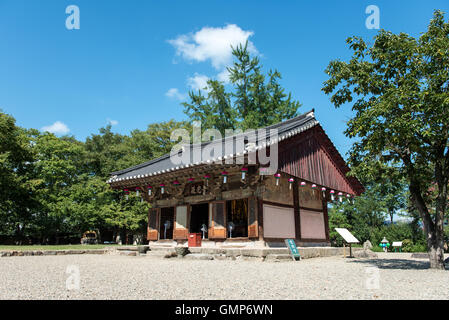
199,215
166,223
237,218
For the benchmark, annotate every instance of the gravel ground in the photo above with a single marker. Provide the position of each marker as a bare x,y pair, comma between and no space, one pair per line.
123,277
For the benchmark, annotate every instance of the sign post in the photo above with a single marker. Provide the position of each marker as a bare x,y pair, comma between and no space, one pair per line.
291,245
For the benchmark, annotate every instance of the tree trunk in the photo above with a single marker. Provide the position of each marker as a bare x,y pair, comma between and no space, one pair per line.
436,257
434,236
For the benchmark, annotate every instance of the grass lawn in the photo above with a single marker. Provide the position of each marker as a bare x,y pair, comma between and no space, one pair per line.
57,247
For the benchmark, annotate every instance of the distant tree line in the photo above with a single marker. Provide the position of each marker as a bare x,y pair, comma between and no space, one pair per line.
54,188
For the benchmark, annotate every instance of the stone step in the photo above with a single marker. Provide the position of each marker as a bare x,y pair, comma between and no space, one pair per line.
278,257
198,256
126,248
160,254
128,253
162,248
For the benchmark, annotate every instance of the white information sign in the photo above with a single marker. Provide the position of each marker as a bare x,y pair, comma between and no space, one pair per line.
349,238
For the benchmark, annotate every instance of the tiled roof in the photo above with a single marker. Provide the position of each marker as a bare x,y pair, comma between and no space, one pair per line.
164,164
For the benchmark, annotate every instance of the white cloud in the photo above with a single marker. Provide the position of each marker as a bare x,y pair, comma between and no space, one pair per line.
212,44
112,122
175,94
198,82
223,76
57,128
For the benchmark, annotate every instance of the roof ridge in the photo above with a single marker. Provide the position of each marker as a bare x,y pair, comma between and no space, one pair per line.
302,116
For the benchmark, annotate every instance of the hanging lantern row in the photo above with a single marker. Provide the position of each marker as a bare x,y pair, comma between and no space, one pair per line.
206,177
277,176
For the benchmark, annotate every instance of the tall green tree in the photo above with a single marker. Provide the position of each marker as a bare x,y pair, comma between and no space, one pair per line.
399,89
213,110
254,100
91,203
16,161
59,164
154,141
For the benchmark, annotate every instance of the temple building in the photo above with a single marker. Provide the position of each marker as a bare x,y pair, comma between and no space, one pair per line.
255,188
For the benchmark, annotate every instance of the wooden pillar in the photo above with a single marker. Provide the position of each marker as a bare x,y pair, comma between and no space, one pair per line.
219,222
260,218
326,219
297,214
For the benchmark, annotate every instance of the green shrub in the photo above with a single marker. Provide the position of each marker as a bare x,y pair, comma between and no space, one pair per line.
407,245
419,247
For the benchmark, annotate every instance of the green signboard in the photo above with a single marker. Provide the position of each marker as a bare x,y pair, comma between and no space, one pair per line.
291,245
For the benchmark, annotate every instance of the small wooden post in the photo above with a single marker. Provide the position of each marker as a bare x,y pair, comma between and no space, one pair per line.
344,250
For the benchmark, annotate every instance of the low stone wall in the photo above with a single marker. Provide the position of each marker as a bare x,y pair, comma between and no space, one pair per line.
214,252
19,253
306,253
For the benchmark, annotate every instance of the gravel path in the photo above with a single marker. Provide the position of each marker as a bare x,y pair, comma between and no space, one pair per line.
123,277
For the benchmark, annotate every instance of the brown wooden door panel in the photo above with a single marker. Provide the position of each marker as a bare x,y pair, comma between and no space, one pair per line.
253,231
219,233
181,233
152,235
218,220
152,230
253,228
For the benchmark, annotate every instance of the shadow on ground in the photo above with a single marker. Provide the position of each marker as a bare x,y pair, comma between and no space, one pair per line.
401,264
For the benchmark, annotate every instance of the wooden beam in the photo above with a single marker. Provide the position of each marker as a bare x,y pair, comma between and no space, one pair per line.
260,218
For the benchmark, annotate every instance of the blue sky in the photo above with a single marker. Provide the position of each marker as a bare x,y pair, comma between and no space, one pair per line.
131,62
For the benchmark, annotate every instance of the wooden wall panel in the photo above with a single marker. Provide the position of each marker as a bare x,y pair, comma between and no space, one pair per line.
279,222
307,156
